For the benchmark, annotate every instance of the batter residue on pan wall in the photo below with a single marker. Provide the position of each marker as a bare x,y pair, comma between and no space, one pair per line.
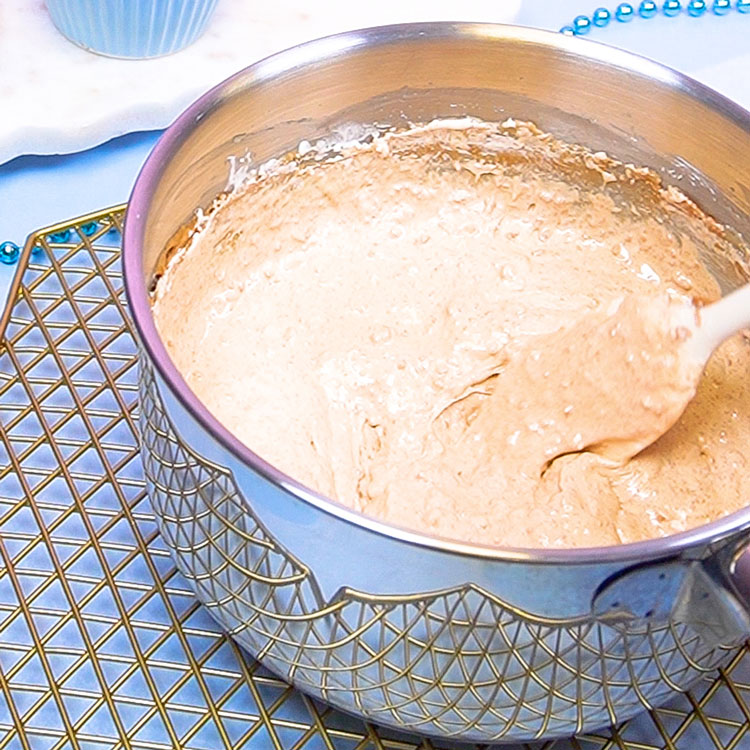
360,321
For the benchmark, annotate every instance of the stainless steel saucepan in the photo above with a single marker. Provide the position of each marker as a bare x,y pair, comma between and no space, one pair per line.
410,631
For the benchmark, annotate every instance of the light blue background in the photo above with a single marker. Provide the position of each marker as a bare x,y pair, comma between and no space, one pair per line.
39,190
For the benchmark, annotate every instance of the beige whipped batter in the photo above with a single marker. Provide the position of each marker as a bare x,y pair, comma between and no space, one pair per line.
394,328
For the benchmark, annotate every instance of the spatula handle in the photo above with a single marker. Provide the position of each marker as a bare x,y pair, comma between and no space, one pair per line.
721,319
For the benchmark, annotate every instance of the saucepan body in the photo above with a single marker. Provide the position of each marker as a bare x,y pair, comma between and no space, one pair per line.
421,634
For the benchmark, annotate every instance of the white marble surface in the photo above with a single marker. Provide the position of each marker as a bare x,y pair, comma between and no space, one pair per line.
58,98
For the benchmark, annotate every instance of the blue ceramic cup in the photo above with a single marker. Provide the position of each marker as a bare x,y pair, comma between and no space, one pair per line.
131,28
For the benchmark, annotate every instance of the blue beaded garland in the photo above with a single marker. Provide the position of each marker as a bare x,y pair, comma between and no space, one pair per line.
9,253
36,249
89,228
59,237
624,12
648,9
582,25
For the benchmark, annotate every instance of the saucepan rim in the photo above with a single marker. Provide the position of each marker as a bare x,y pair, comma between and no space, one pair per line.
327,48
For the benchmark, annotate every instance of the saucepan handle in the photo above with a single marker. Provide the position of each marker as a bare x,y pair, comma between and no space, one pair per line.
739,574
711,595
719,599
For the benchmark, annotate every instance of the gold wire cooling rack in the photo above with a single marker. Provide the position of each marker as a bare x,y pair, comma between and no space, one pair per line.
102,645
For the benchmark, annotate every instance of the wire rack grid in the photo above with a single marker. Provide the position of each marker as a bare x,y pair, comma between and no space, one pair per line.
102,644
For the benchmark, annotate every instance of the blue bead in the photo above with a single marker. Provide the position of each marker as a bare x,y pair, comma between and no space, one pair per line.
671,7
697,7
568,31
601,17
36,249
9,253
624,12
59,237
582,25
647,9
722,7
89,228
743,6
